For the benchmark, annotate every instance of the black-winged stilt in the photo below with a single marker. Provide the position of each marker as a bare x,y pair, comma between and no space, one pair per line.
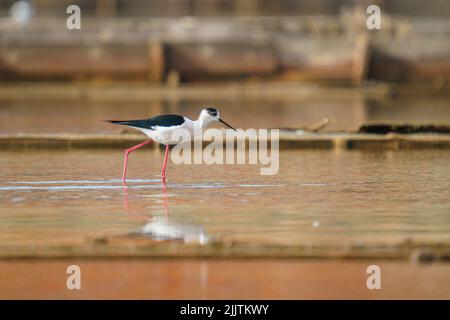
160,129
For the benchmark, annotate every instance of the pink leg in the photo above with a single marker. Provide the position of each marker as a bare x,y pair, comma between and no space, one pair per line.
163,170
166,199
127,152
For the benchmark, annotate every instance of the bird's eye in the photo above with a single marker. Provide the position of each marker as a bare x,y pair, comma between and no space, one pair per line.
212,112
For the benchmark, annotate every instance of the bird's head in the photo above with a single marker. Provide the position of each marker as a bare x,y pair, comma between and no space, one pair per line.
209,115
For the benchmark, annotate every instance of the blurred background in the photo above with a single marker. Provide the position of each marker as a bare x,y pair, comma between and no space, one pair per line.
294,62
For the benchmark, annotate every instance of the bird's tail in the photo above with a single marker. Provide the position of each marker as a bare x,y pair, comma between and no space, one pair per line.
130,123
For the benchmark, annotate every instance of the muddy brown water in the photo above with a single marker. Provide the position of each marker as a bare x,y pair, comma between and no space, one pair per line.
84,116
317,197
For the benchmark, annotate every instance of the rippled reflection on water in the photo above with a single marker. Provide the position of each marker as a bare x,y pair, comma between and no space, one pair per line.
317,197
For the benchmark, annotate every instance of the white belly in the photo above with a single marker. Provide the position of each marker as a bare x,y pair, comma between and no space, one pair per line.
168,135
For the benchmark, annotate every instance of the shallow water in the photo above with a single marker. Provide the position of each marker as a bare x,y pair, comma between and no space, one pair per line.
80,116
318,197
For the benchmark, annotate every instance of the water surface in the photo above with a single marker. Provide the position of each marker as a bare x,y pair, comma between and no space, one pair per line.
79,116
318,197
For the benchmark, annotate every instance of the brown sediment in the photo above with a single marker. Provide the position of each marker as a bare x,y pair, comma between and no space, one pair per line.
289,139
219,279
66,141
129,91
129,246
404,128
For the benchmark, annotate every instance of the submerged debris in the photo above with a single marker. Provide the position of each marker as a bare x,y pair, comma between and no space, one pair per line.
384,128
316,127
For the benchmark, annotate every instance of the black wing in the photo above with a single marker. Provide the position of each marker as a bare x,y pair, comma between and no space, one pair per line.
167,120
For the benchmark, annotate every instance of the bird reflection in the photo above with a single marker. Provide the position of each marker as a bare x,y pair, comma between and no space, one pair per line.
164,228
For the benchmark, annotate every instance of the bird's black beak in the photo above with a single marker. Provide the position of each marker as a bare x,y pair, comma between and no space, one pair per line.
227,124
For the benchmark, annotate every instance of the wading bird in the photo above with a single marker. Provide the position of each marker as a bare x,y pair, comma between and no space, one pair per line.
161,128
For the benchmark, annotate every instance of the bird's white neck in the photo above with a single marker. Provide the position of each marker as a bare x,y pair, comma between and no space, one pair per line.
202,122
